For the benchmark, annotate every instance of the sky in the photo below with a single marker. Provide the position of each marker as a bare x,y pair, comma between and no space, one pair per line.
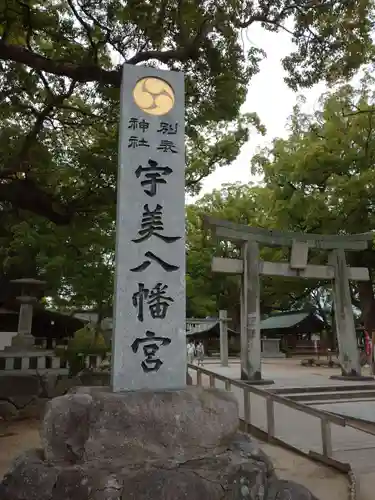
270,97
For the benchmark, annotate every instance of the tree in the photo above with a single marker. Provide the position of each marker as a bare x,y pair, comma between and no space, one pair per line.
60,72
322,177
207,292
76,261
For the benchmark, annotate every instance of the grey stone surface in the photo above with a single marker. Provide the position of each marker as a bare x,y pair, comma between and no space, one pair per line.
93,424
8,410
288,490
24,396
271,348
346,334
65,428
19,386
238,472
218,476
30,478
134,199
191,450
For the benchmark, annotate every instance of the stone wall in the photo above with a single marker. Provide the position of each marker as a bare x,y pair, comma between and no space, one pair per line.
25,396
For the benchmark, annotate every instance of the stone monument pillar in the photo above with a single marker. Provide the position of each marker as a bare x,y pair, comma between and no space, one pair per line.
149,342
141,439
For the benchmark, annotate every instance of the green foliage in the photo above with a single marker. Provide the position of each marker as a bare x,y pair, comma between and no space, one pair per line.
207,292
321,178
60,73
86,342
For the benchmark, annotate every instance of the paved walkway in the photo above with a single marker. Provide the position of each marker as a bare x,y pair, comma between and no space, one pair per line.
296,428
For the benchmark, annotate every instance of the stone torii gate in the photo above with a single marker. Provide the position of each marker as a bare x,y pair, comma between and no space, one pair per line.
251,267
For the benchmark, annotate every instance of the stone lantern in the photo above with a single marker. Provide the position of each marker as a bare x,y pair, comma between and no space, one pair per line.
28,297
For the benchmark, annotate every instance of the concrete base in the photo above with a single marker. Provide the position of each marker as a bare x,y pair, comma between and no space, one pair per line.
22,342
257,382
354,378
270,355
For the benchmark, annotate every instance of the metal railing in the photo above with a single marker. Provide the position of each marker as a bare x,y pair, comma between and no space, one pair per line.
326,419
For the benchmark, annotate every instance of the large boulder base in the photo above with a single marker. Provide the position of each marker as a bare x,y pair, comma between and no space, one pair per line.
168,445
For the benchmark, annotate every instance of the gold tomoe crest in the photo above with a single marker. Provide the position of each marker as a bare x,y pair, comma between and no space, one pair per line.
154,96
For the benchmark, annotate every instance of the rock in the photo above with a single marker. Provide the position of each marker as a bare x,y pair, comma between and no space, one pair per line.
167,485
73,484
7,410
167,445
35,409
95,378
96,424
19,386
66,428
204,477
288,490
62,385
30,478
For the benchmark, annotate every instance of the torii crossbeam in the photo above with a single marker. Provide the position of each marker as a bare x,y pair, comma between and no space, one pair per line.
250,267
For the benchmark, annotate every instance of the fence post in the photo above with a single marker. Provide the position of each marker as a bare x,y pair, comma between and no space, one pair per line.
223,338
270,418
212,381
199,377
228,385
246,406
326,437
9,363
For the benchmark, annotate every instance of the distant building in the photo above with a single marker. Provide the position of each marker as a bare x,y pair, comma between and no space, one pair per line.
298,323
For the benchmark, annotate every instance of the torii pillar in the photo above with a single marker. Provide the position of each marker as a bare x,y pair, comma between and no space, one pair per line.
250,267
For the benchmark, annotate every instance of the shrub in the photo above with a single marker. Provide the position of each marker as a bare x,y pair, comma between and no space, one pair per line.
86,342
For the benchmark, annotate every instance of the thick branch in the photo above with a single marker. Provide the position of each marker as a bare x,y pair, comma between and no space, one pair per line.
91,72
19,162
79,73
26,195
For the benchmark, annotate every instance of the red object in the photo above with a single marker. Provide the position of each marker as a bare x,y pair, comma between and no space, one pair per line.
367,344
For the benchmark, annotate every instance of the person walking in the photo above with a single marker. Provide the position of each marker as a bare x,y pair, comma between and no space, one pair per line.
200,353
190,349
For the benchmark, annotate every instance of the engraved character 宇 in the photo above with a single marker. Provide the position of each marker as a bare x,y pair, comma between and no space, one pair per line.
154,175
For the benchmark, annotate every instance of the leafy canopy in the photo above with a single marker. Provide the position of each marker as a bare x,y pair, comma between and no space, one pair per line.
321,177
60,72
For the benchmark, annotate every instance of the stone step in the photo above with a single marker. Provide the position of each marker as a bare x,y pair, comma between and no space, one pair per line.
325,388
327,401
334,396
